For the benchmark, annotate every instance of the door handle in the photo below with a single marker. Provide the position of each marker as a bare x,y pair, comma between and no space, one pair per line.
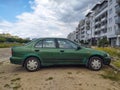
36,50
61,50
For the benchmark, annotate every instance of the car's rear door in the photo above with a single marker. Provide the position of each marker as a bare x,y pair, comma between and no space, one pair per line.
47,50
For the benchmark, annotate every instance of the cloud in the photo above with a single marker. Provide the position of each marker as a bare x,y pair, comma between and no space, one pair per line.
50,18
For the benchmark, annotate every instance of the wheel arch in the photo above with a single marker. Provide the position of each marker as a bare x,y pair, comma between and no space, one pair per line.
29,57
96,55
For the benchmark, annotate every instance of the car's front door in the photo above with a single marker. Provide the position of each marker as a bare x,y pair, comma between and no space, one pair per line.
69,54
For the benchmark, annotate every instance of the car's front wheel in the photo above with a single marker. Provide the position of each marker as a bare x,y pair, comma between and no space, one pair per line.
32,64
95,63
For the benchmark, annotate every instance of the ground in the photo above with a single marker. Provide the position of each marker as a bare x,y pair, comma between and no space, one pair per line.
15,77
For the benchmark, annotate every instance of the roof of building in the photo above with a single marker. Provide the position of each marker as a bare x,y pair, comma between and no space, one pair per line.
99,3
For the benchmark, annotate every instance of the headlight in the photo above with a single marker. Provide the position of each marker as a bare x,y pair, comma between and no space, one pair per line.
108,55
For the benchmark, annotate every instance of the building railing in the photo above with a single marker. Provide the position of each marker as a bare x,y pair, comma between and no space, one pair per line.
117,32
103,19
104,26
118,1
117,20
101,9
117,9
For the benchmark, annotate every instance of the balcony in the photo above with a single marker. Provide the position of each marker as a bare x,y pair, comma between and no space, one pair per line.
97,29
117,9
103,19
98,22
117,32
117,20
103,27
118,1
87,27
87,21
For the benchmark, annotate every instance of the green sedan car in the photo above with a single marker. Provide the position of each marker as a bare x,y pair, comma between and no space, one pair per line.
57,51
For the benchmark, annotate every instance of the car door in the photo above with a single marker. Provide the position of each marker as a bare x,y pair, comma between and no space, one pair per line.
69,54
47,50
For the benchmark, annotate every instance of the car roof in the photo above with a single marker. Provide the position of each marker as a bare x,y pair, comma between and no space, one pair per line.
51,38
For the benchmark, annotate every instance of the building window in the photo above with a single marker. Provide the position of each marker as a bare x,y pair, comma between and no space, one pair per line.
110,29
110,11
114,27
110,20
110,1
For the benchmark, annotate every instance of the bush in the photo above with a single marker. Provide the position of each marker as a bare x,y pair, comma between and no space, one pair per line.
112,51
7,45
103,42
2,39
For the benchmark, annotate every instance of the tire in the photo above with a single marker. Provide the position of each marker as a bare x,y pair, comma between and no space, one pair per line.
32,64
95,63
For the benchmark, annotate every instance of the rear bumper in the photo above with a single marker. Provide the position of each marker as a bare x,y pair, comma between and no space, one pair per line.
16,60
107,60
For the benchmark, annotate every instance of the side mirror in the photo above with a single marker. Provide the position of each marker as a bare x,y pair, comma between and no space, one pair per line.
78,48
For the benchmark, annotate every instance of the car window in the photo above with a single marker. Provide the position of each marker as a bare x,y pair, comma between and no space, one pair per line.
46,43
66,44
49,43
39,44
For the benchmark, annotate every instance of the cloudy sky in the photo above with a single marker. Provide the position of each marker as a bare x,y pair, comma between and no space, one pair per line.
42,18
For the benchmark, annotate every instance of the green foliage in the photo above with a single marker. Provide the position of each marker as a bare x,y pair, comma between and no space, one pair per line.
103,42
7,45
117,63
2,39
16,79
7,40
50,78
110,74
10,38
69,72
112,51
7,85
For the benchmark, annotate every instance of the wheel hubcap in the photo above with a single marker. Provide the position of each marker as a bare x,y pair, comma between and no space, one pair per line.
96,64
32,64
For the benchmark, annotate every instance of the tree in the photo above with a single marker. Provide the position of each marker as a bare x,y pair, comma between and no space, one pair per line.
103,42
2,39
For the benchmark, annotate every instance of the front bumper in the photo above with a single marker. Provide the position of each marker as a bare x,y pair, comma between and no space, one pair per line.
16,60
107,60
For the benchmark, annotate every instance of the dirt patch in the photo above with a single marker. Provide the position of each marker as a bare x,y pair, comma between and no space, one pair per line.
53,78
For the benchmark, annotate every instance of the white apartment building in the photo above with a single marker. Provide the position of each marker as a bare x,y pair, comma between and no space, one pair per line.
102,21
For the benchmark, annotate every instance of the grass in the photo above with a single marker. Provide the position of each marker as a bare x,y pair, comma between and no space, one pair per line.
2,72
50,78
7,45
1,63
7,85
111,74
16,87
69,72
117,63
114,52
16,79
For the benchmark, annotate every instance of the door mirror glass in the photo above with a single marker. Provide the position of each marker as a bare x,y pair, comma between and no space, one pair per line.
78,48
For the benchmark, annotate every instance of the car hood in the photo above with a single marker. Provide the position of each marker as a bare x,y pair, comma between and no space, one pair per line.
93,50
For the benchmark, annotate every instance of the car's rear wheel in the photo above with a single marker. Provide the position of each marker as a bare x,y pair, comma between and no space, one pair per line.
32,64
95,63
